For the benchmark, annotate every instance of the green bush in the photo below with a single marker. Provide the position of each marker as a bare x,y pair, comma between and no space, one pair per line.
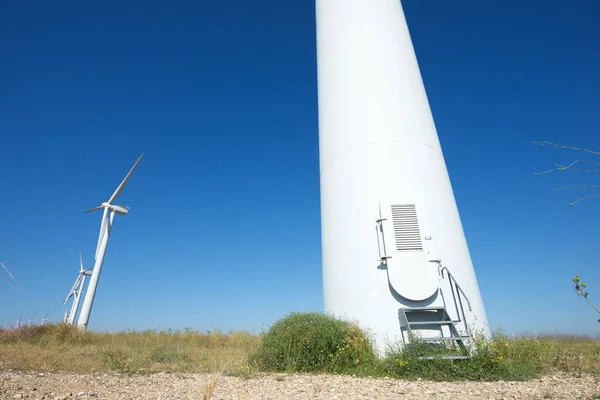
314,342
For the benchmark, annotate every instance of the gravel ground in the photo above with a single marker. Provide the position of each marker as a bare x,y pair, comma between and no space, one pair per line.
54,386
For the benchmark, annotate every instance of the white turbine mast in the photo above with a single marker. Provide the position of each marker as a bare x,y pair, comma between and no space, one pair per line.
110,210
76,291
390,228
30,320
19,323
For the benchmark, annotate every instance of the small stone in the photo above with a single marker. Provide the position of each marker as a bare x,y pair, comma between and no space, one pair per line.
41,374
18,396
80,394
60,398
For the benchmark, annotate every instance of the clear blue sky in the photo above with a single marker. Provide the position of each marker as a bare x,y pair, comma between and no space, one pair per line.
224,227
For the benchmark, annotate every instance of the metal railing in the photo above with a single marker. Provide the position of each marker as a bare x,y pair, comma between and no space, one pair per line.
457,299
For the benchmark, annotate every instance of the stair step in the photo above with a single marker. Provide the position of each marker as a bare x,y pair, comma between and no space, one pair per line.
441,339
413,309
444,358
444,322
436,317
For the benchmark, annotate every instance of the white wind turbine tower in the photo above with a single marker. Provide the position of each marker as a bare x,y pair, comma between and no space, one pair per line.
77,291
30,320
395,256
110,210
19,323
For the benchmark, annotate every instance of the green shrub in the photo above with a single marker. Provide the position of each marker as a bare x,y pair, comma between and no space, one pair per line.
314,342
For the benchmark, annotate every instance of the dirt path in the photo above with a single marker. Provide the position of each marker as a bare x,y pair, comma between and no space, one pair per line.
21,385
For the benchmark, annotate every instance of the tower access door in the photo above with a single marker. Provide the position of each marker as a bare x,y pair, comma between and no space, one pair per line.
406,248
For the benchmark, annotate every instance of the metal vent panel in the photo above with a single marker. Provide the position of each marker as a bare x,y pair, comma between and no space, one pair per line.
406,228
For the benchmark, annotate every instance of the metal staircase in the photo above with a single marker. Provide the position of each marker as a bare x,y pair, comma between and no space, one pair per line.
449,344
443,337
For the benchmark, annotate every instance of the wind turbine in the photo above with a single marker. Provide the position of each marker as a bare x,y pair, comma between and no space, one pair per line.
19,323
30,320
44,319
110,210
77,291
66,316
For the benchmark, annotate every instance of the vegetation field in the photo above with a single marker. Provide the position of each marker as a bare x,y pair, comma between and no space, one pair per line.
307,343
66,348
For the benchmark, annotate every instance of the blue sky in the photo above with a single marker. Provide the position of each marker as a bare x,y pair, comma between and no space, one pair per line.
224,227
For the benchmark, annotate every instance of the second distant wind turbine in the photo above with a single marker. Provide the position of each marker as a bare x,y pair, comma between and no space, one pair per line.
110,210
44,319
77,291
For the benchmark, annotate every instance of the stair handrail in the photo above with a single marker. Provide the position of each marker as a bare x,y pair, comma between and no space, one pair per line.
459,289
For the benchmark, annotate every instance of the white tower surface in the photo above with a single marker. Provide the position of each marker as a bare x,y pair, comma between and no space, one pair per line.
391,231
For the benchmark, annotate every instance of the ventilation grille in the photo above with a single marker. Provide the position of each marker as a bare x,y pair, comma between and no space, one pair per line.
406,228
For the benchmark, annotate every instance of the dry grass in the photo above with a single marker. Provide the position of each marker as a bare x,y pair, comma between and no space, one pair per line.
209,388
65,348
575,355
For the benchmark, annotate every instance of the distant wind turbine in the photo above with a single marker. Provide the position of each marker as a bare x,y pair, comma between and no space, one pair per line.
30,320
44,319
105,228
19,323
77,291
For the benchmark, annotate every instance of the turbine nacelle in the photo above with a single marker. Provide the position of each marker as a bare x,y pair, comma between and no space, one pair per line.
121,210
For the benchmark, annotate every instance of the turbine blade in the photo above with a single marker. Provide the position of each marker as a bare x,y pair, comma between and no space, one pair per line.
67,299
80,264
75,285
94,209
8,282
122,185
9,274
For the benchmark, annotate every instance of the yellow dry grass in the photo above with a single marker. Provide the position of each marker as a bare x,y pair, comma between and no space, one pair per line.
67,349
64,348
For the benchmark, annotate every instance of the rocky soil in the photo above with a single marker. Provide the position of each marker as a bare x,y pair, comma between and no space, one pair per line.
29,385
